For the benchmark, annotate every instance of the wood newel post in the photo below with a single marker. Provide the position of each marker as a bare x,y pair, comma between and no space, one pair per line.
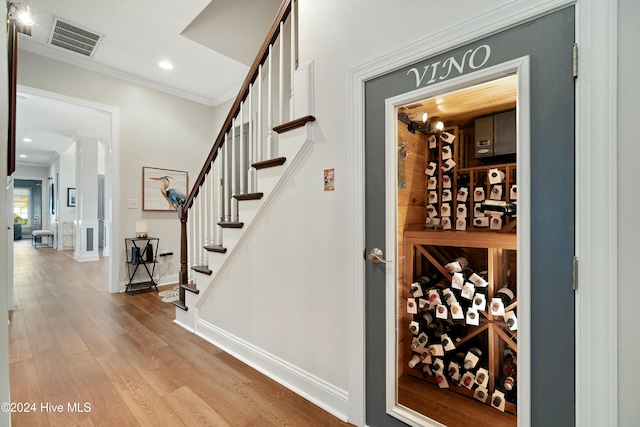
184,275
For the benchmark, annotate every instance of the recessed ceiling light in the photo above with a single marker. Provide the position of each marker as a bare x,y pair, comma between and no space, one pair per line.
23,156
166,65
26,139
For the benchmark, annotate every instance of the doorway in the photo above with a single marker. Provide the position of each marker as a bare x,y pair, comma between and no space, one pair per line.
96,122
539,54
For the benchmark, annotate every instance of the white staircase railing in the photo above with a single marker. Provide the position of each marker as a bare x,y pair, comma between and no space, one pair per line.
247,141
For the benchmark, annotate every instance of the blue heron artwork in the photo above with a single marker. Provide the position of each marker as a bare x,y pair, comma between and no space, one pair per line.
172,195
163,189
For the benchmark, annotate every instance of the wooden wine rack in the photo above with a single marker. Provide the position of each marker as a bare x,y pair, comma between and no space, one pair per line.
437,248
477,175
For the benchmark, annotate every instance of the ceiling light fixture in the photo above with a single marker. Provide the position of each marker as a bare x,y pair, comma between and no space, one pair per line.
23,156
165,65
21,12
26,139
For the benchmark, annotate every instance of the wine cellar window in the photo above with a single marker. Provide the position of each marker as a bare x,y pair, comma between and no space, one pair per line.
457,248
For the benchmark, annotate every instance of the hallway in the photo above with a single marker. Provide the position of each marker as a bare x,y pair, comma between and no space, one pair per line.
81,356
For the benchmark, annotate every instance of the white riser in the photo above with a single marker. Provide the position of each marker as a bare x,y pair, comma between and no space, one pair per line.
202,280
291,144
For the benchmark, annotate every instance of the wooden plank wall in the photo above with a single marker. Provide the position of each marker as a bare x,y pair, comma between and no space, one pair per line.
411,214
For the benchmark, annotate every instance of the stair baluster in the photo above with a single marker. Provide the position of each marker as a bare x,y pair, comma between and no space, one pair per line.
227,174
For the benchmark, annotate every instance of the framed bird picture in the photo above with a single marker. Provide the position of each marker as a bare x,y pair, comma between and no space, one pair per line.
162,189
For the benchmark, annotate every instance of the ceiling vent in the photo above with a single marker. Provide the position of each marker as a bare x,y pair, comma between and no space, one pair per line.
71,37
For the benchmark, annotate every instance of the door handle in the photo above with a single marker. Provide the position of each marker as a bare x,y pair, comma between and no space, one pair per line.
376,255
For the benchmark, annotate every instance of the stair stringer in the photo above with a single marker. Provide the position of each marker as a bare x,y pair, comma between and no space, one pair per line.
293,145
231,256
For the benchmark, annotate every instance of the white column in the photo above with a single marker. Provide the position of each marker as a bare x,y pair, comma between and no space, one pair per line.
108,197
86,247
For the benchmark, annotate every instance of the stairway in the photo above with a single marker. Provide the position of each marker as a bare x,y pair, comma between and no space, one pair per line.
294,141
267,131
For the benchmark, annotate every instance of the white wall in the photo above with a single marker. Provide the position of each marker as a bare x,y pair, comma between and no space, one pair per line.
156,130
628,176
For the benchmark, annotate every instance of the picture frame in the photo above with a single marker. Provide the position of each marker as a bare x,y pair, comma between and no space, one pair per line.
162,189
71,197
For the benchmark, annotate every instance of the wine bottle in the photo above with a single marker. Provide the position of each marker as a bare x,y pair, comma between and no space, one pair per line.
510,370
449,297
455,364
503,297
419,323
433,330
461,210
511,320
416,290
480,299
435,292
472,358
446,181
496,176
437,366
414,360
457,265
463,194
497,401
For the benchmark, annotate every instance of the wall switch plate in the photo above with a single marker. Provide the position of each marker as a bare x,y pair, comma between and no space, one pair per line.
132,203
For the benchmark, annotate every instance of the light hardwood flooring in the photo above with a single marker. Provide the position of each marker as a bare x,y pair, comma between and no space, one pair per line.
121,359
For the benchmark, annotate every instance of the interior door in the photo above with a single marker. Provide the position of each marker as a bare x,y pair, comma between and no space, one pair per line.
9,243
548,397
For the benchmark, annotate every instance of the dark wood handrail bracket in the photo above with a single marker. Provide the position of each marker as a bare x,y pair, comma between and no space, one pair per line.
274,32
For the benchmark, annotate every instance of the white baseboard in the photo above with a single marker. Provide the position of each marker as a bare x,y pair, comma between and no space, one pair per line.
319,392
183,325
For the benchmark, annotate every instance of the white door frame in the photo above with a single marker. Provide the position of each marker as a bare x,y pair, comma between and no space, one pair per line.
112,166
519,67
596,201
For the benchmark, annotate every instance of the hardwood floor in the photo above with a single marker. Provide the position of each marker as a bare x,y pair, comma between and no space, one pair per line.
118,359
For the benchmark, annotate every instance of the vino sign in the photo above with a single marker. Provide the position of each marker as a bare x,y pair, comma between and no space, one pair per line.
438,71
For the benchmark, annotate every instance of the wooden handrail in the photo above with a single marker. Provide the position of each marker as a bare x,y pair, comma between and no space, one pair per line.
274,31
263,53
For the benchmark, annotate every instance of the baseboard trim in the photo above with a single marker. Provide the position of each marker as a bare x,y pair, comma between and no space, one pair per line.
184,325
319,392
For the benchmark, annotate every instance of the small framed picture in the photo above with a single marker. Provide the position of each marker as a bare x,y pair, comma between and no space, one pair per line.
71,197
329,180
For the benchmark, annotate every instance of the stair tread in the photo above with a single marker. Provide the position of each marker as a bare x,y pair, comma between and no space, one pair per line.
191,288
201,269
294,124
231,224
278,161
215,248
180,305
248,196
